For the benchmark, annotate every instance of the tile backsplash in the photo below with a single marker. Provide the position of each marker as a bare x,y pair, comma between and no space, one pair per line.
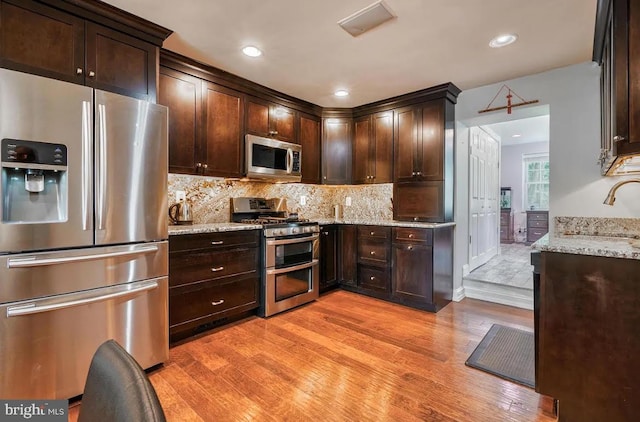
210,198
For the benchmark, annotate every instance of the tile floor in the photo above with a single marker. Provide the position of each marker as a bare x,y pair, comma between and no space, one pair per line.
511,267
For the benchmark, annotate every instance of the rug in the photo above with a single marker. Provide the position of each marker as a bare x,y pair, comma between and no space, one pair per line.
508,353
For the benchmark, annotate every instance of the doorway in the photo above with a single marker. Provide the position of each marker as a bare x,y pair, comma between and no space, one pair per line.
503,274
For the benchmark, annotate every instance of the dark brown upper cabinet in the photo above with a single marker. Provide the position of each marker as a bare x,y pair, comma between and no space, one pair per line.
309,139
373,148
205,125
336,150
223,141
617,48
182,94
419,146
54,43
271,120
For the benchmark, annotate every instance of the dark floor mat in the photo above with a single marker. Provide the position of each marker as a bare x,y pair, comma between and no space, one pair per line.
508,353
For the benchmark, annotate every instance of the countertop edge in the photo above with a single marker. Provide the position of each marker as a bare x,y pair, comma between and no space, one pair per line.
610,247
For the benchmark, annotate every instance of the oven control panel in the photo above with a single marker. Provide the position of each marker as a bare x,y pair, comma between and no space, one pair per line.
291,230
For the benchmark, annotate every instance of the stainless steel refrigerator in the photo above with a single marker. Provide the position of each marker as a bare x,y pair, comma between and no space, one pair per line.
83,232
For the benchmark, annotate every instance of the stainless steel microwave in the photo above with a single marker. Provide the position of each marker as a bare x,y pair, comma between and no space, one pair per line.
272,159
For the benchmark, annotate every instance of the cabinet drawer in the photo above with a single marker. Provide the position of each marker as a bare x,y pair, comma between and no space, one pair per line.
410,234
213,240
200,300
535,234
543,216
374,232
538,224
211,264
373,252
373,278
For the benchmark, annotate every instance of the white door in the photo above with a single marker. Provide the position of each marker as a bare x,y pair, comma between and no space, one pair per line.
484,186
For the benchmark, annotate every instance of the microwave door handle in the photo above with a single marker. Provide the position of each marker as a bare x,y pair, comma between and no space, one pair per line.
289,160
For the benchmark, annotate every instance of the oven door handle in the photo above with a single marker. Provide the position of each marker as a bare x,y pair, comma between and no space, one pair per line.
276,242
294,268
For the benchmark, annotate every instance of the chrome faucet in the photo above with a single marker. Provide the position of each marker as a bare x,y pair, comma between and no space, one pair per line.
611,196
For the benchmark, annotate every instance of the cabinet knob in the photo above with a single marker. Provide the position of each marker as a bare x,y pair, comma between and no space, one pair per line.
79,71
410,235
205,166
415,218
217,242
372,253
198,165
92,73
372,233
409,248
216,269
219,302
618,138
325,177
325,233
372,278
413,173
419,173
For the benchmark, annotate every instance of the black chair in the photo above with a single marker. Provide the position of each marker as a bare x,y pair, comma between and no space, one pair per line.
117,389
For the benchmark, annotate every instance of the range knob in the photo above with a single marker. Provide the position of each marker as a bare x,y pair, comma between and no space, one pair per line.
295,230
277,232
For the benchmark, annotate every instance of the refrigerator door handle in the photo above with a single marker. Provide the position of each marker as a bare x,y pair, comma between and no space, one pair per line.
101,164
86,163
35,262
81,298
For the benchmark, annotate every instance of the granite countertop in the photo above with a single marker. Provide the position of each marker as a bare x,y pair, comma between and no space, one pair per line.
211,228
227,227
608,246
393,223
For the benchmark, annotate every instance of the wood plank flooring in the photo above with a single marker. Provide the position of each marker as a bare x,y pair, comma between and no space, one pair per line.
345,357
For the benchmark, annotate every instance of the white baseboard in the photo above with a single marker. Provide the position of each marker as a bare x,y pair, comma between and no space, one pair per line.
458,294
465,270
498,293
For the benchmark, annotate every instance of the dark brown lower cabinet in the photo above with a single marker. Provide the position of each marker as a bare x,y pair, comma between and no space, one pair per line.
588,340
329,257
213,278
348,255
406,265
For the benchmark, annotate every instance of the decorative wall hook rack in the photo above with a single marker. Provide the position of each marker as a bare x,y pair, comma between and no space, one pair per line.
510,104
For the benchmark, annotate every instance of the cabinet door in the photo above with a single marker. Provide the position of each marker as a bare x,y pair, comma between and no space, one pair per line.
258,117
222,131
182,95
282,121
406,143
431,147
336,151
119,63
348,255
362,150
382,148
38,39
328,257
309,139
420,201
412,277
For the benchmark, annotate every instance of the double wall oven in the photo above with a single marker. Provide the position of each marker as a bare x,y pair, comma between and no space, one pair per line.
290,273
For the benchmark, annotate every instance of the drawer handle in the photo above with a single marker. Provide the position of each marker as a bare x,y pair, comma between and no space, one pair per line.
409,248
410,235
217,242
372,233
372,253
372,278
216,269
219,302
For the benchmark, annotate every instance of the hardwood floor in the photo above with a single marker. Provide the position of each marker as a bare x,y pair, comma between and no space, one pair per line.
346,357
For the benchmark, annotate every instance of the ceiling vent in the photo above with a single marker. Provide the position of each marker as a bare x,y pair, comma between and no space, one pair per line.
367,18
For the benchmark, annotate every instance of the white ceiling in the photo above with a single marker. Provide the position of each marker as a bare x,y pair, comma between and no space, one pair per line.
532,129
307,55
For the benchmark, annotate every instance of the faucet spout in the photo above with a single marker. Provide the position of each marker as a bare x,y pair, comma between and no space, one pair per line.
611,196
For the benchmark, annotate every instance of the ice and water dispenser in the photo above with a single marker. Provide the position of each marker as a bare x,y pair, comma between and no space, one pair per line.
34,182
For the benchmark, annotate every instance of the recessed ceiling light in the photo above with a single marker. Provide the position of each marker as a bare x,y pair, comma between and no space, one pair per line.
517,135
502,40
341,93
252,51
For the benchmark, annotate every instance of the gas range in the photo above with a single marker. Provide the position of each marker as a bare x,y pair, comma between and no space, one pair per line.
291,253
272,215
